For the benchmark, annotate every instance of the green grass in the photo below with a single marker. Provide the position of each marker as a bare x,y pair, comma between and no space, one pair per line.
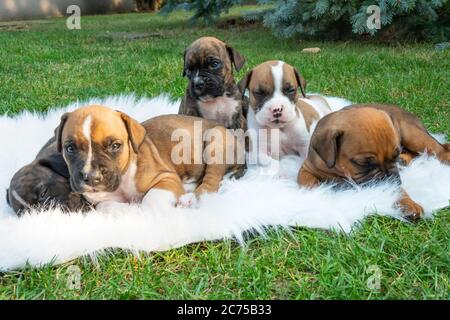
45,65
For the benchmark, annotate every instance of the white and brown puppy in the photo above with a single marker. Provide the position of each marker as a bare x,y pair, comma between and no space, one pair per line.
276,104
212,92
113,158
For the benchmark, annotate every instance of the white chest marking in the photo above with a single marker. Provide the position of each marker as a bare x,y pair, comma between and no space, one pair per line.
87,124
293,137
125,193
221,109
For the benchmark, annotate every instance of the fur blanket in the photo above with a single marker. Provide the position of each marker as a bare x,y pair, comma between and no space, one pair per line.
259,200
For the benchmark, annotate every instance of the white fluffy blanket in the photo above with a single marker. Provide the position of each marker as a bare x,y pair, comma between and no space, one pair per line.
253,203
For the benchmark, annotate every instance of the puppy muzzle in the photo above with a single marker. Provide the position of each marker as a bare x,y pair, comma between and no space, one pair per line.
207,85
276,113
95,181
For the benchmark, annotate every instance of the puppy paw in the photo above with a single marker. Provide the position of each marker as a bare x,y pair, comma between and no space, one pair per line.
77,202
412,210
445,155
187,200
405,159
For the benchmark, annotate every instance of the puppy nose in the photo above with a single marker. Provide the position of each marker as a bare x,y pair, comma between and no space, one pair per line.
91,178
199,83
277,111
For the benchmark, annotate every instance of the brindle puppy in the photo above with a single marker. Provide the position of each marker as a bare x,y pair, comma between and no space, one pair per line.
44,183
212,92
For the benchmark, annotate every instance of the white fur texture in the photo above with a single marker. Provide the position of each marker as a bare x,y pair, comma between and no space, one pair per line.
262,198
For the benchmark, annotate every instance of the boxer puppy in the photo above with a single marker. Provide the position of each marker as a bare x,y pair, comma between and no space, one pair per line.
44,183
113,158
212,92
363,143
276,104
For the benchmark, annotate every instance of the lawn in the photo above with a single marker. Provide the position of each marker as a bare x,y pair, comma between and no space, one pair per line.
45,65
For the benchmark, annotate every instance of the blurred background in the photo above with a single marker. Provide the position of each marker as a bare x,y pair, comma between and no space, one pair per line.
37,9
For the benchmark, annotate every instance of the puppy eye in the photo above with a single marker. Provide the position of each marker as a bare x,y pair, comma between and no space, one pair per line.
115,146
368,162
70,148
357,162
214,64
259,93
289,91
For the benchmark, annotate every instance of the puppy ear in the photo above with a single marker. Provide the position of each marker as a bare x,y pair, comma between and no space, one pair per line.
56,163
59,131
243,84
236,58
325,143
184,63
301,82
136,132
395,123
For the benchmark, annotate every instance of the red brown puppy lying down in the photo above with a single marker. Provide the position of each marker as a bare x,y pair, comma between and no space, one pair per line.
113,158
276,104
364,143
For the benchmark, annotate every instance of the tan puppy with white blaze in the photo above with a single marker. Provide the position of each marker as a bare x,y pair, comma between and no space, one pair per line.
277,104
113,158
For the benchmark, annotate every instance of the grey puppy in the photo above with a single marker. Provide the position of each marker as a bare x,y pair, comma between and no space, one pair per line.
44,183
